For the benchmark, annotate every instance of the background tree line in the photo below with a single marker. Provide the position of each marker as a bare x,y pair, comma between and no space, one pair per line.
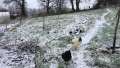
52,6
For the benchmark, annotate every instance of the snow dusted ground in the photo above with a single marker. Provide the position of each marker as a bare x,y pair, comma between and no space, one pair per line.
97,26
56,46
10,55
18,43
87,38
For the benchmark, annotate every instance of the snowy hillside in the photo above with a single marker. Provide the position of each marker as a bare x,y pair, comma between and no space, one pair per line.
25,42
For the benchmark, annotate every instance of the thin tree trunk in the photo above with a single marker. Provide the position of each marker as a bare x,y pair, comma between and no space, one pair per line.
77,5
72,4
57,6
115,34
60,6
47,6
23,9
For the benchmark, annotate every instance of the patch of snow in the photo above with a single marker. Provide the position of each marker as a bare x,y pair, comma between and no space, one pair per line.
4,14
87,38
79,23
79,59
4,27
97,26
10,59
33,29
53,65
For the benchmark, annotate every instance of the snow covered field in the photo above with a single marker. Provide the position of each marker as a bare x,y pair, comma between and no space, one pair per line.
19,42
58,44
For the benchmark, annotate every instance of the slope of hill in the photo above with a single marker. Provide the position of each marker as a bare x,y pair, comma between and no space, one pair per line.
50,35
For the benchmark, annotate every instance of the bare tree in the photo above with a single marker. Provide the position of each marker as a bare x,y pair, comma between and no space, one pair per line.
46,5
72,4
115,33
59,5
23,8
77,5
20,3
